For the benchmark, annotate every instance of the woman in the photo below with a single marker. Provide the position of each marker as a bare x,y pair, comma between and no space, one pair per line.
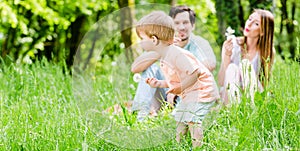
249,71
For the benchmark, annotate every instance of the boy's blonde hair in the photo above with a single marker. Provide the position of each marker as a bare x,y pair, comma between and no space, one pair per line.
157,24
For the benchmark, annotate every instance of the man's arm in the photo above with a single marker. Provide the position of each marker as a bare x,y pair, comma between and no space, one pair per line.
144,61
210,65
205,52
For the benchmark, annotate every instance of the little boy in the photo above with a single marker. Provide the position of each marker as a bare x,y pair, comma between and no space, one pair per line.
185,75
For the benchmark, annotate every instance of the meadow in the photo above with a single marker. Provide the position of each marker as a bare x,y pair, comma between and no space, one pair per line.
42,108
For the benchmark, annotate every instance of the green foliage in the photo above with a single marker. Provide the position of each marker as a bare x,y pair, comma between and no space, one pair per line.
271,124
287,28
228,14
31,25
266,4
31,29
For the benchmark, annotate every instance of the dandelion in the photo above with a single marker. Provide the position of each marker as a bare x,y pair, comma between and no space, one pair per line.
27,59
229,33
298,112
18,70
122,45
131,86
137,77
113,63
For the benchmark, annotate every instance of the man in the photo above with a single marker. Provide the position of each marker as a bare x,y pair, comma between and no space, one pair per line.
184,19
147,99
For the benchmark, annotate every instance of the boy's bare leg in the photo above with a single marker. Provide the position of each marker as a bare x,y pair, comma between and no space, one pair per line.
196,133
180,130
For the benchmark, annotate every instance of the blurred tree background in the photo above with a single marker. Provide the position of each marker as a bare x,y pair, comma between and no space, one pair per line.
53,29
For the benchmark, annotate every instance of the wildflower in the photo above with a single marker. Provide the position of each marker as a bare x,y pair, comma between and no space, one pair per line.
113,63
18,70
229,33
298,112
236,52
131,86
137,77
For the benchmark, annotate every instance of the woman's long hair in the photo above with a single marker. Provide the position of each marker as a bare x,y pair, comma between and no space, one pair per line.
264,44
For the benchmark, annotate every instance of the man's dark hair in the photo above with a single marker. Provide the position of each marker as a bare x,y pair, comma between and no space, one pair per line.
182,8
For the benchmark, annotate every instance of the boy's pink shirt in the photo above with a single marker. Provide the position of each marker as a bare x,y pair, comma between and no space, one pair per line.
179,63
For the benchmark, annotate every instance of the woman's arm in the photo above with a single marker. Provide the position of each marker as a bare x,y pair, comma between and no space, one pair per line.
226,54
145,60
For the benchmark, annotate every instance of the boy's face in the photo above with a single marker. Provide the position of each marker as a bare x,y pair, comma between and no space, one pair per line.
146,42
183,25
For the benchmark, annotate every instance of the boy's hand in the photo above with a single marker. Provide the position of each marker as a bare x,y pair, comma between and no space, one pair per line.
153,82
176,89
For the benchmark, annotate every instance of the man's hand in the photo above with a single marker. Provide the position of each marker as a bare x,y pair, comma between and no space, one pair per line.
176,41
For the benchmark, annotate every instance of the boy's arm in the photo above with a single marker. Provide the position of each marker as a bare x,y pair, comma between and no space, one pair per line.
188,81
164,84
145,60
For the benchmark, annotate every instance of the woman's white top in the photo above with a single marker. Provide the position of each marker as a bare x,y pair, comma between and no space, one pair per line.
236,56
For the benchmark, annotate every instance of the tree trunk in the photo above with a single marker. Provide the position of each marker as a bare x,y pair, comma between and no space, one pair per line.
73,42
221,21
291,29
126,27
285,20
241,14
173,2
5,49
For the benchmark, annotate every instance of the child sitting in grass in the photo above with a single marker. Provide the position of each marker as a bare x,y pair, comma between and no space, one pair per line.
185,75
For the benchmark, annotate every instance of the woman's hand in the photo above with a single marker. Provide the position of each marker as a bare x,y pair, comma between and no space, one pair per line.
227,47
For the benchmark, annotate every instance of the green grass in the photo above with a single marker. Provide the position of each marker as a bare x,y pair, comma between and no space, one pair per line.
44,109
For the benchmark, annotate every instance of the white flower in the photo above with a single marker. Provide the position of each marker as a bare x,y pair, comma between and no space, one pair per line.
18,70
113,63
229,32
137,77
131,86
